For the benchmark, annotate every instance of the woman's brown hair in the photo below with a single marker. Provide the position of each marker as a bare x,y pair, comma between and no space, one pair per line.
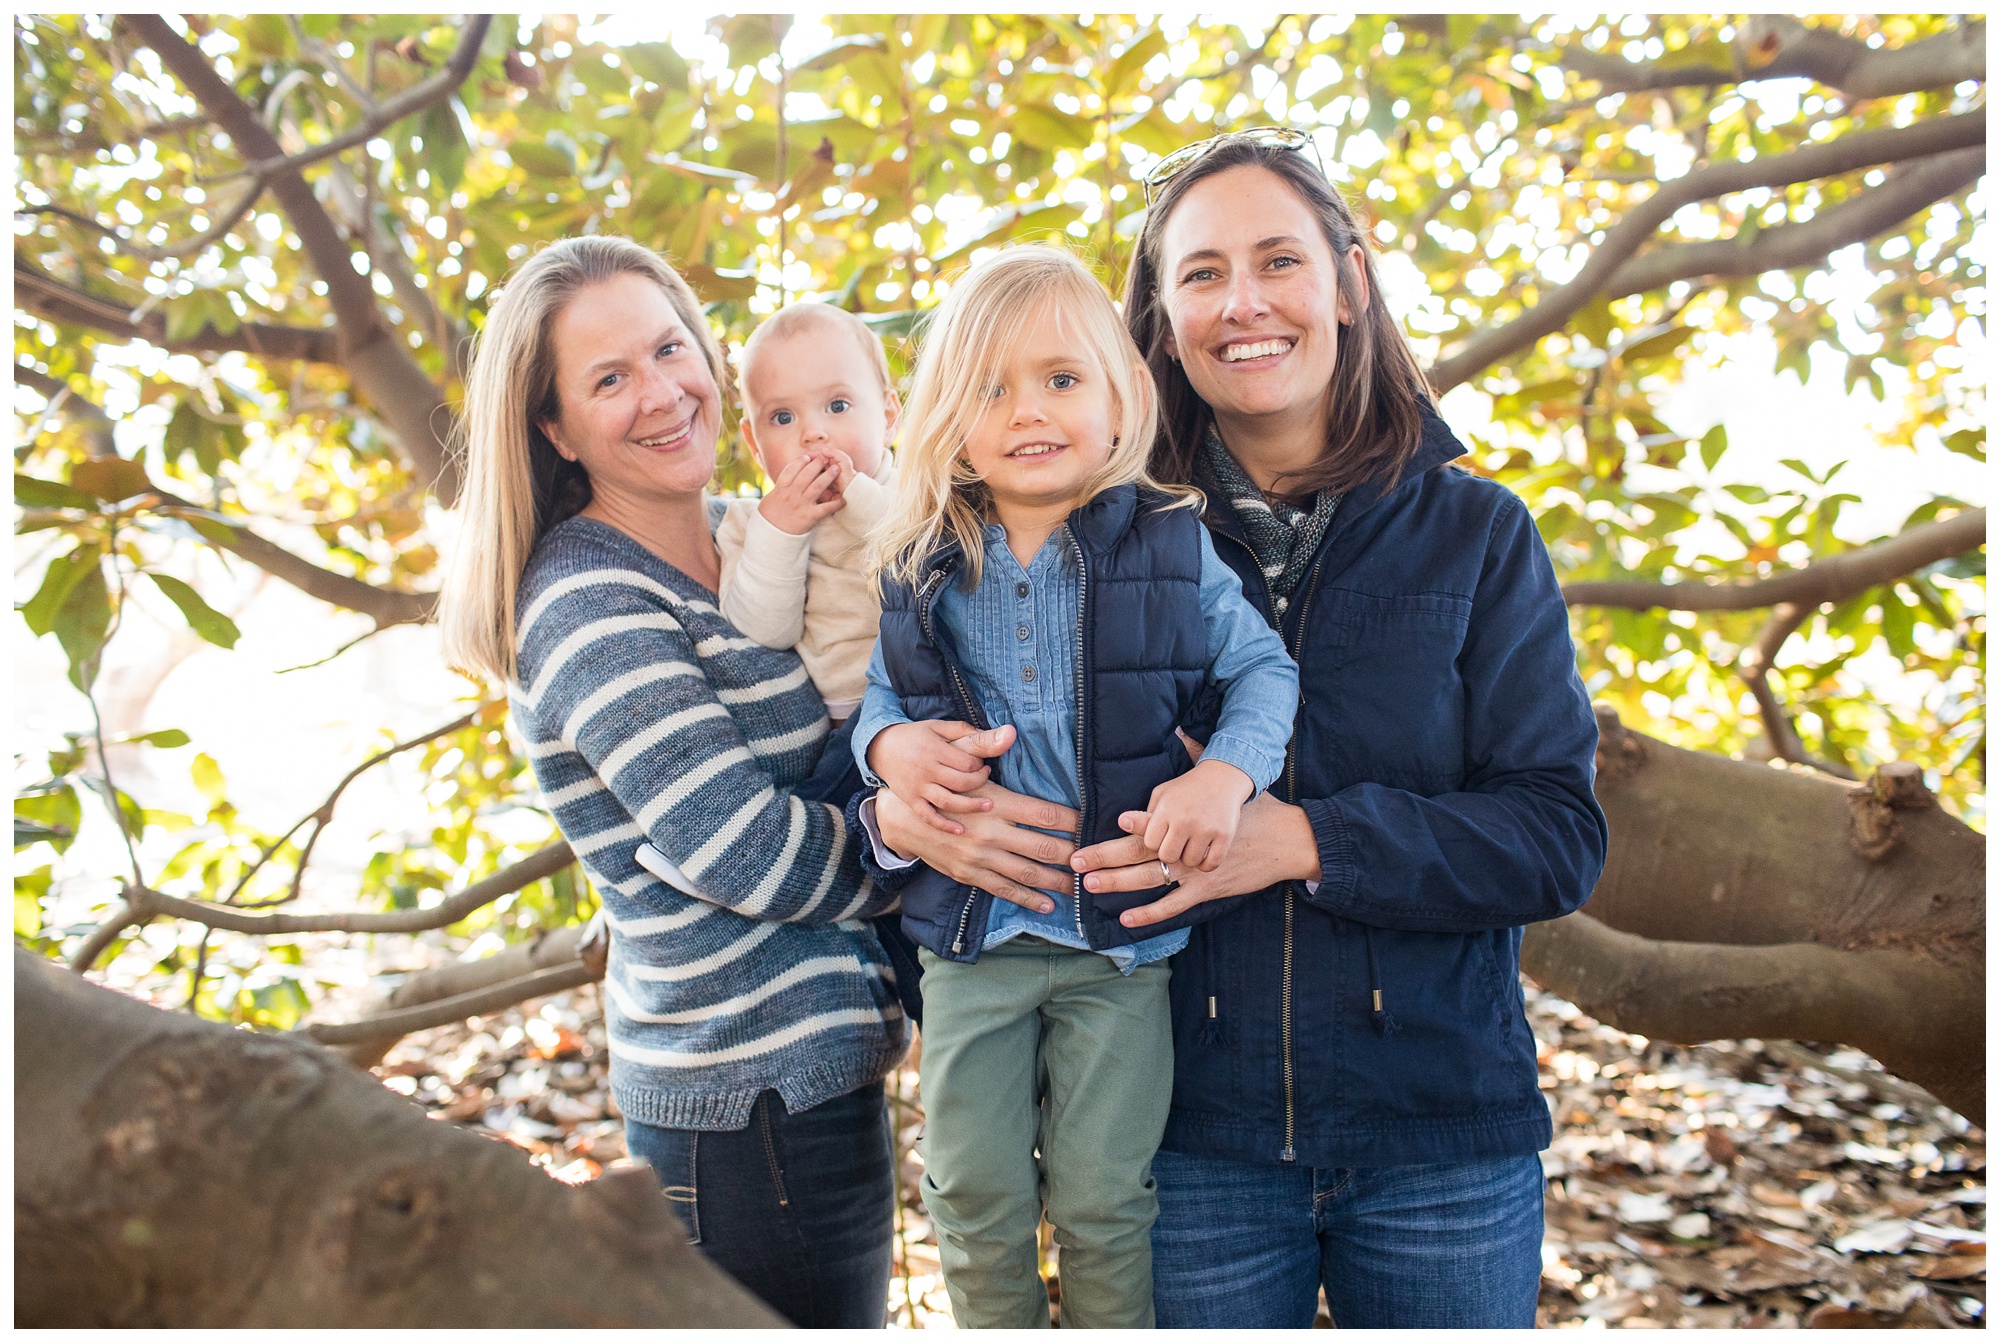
1376,400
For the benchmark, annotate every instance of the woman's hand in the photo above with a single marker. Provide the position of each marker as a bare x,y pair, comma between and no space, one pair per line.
936,765
997,851
1274,842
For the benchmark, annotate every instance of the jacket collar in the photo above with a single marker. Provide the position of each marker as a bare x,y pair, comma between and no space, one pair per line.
1436,446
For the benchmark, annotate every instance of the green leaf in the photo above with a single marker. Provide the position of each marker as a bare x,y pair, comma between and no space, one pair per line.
444,145
1123,76
1653,347
82,624
1968,443
1713,444
1899,622
52,816
166,738
278,1006
207,776
658,62
63,573
1045,127
29,889
110,478
30,492
541,159
202,618
1749,494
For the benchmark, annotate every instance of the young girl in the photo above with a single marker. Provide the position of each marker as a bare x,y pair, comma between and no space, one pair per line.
1034,577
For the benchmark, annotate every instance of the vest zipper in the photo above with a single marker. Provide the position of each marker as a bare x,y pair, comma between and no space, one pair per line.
1082,784
969,705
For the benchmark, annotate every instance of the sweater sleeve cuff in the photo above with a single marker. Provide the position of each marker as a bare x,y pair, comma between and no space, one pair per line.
1339,872
1261,765
773,549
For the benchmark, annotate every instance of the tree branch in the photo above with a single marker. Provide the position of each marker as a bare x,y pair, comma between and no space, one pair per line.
43,295
88,417
319,817
1833,579
226,221
1758,663
1861,149
1911,189
409,403
1886,1002
400,1022
122,916
1776,46
380,116
537,865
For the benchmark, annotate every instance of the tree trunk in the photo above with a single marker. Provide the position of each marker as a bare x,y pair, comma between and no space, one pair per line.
1739,900
173,1173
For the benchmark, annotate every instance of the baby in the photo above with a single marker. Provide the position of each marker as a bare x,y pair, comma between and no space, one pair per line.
819,412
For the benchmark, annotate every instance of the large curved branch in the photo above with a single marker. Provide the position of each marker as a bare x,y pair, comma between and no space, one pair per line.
43,295
408,402
1886,1002
537,865
1759,661
508,992
86,414
1833,579
1915,187
1641,223
1780,47
386,606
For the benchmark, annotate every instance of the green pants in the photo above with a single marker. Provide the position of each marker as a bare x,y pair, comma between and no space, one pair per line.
1044,1049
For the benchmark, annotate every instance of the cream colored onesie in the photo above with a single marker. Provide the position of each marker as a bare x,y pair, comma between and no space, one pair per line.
808,592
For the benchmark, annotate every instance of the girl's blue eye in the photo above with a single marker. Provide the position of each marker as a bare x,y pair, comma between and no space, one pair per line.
840,405
1062,382
994,393
782,417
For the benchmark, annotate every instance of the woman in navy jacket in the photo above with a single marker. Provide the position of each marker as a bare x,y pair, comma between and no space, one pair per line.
1355,1093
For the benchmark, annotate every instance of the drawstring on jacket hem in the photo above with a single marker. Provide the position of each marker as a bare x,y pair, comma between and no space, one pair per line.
1378,1015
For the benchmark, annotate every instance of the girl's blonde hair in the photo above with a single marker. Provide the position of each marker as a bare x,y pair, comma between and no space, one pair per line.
996,306
517,485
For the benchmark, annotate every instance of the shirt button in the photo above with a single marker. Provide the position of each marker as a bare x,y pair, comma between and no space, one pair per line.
1021,632
1020,589
1028,674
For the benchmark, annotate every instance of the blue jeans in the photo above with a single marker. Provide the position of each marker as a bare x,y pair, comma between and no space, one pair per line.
1245,1246
799,1208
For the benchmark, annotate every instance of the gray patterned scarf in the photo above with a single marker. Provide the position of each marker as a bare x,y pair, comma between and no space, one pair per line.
1282,535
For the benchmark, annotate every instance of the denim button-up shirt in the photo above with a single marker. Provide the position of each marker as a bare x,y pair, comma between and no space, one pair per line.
1016,640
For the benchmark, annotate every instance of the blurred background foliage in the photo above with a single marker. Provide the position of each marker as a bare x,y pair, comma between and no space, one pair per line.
861,160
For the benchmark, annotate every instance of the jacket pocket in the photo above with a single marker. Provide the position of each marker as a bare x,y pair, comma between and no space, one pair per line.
1383,697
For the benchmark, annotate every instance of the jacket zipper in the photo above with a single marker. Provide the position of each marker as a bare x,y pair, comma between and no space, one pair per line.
1290,1152
1082,786
1291,891
966,703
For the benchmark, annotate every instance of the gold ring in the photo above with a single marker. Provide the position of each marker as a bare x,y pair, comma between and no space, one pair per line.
1166,877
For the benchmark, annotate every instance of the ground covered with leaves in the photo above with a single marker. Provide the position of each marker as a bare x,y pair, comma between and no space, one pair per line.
1743,1184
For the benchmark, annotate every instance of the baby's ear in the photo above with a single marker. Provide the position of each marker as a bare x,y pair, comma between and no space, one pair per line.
892,413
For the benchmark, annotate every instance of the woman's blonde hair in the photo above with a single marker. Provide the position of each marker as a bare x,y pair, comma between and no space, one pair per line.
993,308
517,485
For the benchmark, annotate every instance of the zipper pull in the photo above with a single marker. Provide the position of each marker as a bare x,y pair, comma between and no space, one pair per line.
1288,1154
958,946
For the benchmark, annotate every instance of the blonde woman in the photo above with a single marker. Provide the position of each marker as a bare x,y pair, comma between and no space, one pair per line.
751,1010
1037,584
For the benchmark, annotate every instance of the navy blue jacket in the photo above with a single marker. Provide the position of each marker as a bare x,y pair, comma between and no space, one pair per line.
1143,661
1443,754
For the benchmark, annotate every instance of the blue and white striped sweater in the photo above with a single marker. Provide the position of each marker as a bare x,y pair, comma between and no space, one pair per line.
648,717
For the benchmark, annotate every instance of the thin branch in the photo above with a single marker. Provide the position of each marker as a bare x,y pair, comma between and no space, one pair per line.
357,640
1833,579
542,863
1911,189
321,815
1779,47
45,296
382,115
1641,223
201,242
122,917
383,370
1759,661
80,410
503,995
1886,1086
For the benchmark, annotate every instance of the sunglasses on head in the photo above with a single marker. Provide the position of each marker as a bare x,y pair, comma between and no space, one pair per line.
1277,137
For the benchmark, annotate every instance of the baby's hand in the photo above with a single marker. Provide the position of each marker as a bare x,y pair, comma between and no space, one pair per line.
1192,819
930,765
806,492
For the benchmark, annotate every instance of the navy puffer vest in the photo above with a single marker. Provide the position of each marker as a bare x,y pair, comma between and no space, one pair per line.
1143,662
